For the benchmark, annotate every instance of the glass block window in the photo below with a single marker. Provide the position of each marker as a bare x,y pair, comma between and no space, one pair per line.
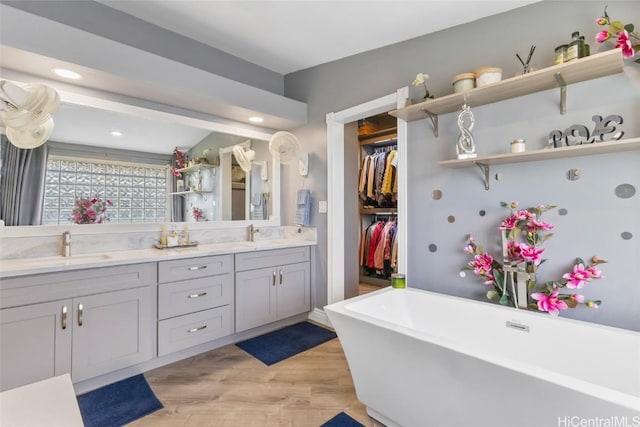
138,192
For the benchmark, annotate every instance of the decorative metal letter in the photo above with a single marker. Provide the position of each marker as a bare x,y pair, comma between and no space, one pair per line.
603,130
465,148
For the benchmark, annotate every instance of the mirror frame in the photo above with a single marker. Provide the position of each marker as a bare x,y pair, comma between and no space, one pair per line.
151,114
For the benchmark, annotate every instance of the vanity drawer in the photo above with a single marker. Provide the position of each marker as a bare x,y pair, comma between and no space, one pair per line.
193,329
270,258
192,268
178,298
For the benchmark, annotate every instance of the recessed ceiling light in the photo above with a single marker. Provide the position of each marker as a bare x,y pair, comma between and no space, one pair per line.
67,74
256,119
116,133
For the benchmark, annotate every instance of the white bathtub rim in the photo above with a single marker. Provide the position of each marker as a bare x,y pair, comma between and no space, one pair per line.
605,393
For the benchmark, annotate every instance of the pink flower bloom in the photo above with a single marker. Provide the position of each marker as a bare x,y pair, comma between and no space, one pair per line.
549,303
514,205
624,42
469,249
482,264
578,298
490,278
509,223
603,36
594,272
602,21
592,304
176,172
535,226
578,277
524,215
514,252
531,253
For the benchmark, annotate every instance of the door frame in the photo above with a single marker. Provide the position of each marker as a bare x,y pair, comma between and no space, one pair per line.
335,185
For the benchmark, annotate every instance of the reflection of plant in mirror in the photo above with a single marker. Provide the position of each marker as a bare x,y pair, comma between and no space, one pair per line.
181,161
197,214
90,211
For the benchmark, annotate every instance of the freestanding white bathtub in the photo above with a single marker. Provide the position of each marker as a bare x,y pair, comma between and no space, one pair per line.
421,359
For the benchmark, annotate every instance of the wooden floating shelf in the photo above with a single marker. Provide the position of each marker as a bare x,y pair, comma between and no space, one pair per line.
546,154
579,70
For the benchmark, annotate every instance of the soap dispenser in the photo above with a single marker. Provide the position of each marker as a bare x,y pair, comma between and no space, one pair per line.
173,238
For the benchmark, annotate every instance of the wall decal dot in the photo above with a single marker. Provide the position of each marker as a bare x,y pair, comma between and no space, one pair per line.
463,273
574,174
436,194
562,211
451,218
625,191
433,248
626,235
482,213
499,176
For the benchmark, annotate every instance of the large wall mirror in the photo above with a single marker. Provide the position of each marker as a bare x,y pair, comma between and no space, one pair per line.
95,141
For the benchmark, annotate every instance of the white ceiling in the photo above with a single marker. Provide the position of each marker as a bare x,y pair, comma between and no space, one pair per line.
287,36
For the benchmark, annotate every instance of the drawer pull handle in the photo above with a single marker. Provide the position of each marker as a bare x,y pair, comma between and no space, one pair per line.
80,314
199,328
64,317
201,294
197,267
273,281
281,276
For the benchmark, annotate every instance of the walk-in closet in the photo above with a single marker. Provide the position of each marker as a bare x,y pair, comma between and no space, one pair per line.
377,200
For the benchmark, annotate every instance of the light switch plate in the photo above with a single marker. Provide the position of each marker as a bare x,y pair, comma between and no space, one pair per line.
322,206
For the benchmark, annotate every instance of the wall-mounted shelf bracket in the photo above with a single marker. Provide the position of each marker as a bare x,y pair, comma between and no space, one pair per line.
486,169
434,121
563,92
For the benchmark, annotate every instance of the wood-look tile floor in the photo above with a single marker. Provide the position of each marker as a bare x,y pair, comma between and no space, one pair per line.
227,387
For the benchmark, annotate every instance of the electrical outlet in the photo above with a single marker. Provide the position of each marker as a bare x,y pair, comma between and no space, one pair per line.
322,206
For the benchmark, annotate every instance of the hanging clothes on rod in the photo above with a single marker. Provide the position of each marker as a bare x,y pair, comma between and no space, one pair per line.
378,247
378,178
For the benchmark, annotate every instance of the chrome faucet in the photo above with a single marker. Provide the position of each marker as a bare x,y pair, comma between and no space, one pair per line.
252,232
66,244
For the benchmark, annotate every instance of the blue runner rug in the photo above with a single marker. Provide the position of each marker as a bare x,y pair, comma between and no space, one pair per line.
342,420
281,344
119,403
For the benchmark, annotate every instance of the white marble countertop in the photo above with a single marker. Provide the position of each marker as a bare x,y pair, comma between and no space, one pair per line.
27,266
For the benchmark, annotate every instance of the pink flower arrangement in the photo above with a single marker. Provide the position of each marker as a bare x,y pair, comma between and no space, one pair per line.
181,161
525,233
90,211
623,34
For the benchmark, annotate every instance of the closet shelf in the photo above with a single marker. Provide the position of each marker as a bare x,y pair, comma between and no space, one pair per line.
378,211
378,137
579,70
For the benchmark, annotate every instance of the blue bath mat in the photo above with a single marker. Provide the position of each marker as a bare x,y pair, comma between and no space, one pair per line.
342,420
281,344
119,403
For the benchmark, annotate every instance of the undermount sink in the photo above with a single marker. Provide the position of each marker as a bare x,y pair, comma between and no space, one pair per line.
60,260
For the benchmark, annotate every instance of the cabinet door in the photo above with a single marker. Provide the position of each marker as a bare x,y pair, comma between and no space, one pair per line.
111,331
294,289
255,298
35,342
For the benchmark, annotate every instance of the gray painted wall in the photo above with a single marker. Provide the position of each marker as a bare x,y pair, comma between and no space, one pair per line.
595,218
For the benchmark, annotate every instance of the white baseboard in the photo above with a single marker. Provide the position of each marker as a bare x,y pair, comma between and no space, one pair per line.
318,315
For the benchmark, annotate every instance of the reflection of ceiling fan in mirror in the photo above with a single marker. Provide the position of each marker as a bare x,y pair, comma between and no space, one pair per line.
244,158
26,112
286,147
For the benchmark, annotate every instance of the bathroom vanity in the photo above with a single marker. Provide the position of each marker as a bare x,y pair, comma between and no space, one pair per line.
103,317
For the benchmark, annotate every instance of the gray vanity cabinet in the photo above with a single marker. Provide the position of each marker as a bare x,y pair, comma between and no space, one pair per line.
86,322
35,343
195,301
271,285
